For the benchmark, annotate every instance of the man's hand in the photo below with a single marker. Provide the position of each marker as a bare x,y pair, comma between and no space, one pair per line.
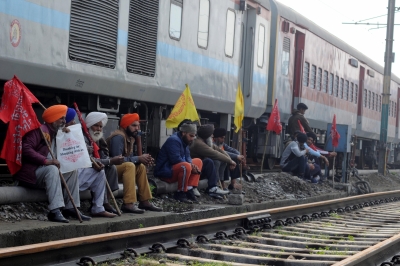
52,162
241,158
326,160
311,166
146,159
117,160
98,166
195,169
66,130
232,165
333,154
307,151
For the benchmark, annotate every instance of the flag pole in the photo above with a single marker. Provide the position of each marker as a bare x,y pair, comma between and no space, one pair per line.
61,176
240,152
265,149
333,170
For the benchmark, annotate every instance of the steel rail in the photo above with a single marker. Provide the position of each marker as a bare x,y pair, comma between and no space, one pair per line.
69,251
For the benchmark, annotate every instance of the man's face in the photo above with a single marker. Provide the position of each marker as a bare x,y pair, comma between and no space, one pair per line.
59,123
310,141
96,131
220,140
133,129
302,111
188,137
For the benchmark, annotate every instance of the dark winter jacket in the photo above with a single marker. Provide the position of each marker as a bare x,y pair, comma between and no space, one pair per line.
293,125
172,152
34,153
200,149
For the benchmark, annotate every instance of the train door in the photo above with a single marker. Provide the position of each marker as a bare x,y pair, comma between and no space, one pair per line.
298,67
248,31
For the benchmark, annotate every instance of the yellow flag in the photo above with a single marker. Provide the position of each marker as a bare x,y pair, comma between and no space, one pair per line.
184,109
239,109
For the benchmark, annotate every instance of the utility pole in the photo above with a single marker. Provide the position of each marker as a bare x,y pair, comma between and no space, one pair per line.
386,88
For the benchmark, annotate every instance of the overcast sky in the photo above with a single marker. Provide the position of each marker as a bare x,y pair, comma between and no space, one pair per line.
330,14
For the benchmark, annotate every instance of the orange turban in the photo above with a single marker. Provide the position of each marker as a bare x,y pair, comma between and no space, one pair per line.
128,119
54,113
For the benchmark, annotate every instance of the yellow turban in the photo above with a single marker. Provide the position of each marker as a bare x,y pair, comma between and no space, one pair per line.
54,113
128,119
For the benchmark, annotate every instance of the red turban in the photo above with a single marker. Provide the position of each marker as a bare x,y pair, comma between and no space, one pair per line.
54,113
128,119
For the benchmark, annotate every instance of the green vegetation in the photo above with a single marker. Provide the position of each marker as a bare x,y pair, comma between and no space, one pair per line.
350,238
335,215
141,226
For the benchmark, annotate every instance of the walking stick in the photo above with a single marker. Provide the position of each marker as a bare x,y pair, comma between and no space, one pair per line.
84,127
265,149
62,178
108,189
333,170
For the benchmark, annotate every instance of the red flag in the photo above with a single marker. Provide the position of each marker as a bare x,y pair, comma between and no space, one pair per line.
16,108
274,121
301,127
334,133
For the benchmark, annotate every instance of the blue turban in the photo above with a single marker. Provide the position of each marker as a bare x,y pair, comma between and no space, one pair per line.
70,115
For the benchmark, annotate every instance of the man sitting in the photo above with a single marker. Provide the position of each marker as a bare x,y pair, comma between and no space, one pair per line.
293,157
40,170
92,178
174,163
204,149
133,170
219,140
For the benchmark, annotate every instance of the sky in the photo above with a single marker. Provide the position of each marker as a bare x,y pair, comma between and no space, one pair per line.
330,14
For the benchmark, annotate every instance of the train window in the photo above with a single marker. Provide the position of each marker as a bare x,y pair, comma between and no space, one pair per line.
306,71
325,81
313,76
336,86
285,56
230,32
346,90
341,84
369,99
365,98
261,41
319,78
356,93
330,85
175,19
351,92
204,18
373,101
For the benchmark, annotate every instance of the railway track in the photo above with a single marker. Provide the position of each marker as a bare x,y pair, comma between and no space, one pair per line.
361,230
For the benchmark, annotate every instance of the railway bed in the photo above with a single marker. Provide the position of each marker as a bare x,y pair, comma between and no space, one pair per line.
360,230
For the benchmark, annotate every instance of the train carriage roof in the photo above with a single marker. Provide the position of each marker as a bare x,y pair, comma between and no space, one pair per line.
301,21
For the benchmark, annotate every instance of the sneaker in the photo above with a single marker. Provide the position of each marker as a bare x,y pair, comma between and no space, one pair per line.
217,190
315,179
181,196
191,196
196,192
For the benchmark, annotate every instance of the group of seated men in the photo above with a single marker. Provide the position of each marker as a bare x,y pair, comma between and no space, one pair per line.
301,157
118,163
185,158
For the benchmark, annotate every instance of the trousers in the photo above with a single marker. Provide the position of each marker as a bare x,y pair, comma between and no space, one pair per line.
209,172
95,181
182,173
47,177
131,176
298,166
112,179
220,168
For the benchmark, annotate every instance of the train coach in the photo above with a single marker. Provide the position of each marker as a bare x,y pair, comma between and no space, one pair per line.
122,56
310,65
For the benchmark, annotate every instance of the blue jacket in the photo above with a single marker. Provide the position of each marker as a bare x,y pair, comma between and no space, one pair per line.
172,152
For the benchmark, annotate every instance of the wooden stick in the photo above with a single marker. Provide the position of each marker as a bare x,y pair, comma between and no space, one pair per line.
108,189
333,170
265,149
62,179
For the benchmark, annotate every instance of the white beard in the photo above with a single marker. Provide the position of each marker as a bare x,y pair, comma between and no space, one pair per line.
209,141
96,135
